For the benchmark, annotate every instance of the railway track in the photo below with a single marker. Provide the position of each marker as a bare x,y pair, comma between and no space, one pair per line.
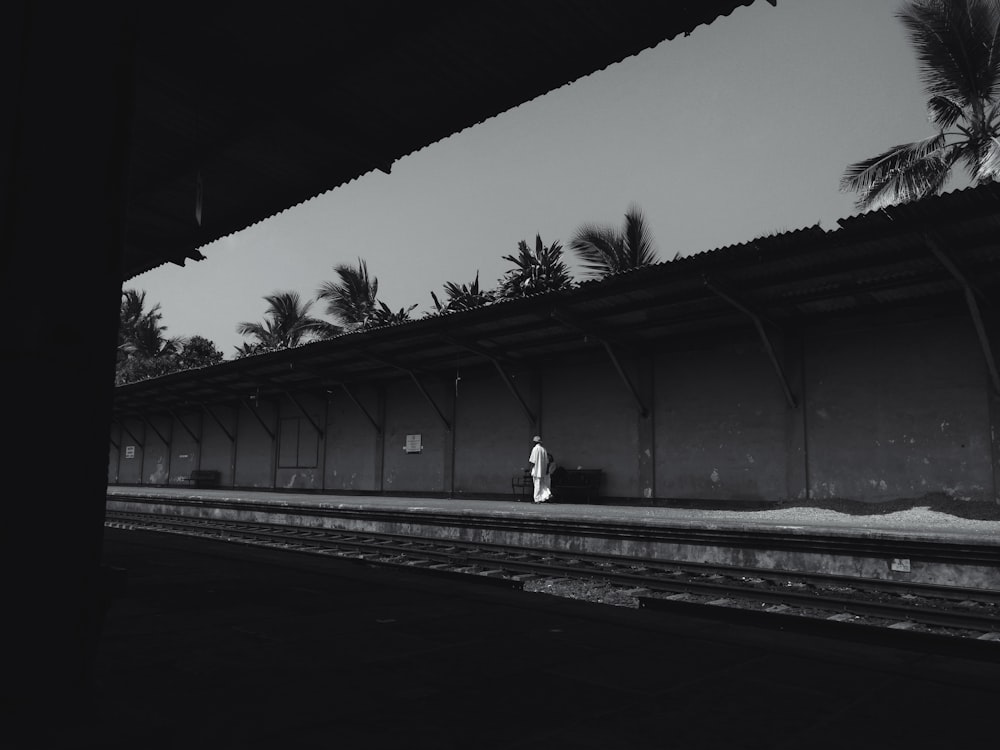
735,593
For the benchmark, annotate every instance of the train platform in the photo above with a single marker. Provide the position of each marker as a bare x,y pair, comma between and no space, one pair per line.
978,525
914,544
228,646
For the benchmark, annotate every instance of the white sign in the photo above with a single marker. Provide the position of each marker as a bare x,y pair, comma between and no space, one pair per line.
129,451
413,444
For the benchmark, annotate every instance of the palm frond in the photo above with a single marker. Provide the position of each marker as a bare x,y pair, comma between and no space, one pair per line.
437,304
943,112
638,239
604,251
257,330
989,161
353,297
598,249
918,179
954,42
873,178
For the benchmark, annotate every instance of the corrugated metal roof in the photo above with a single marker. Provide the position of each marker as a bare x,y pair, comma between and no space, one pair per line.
270,106
877,261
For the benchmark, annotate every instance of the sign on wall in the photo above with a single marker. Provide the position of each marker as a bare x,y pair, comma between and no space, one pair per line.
413,444
129,451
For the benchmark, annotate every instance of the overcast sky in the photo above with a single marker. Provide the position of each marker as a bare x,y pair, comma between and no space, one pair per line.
742,129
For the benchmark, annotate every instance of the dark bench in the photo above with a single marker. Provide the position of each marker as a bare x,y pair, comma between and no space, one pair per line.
522,486
576,484
204,478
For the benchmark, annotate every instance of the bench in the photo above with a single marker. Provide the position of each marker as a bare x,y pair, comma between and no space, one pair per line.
204,478
576,484
522,486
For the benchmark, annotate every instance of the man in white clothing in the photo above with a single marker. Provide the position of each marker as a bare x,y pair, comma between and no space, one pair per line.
540,465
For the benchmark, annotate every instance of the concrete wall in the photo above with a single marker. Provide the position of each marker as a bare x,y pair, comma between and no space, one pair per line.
898,411
156,456
300,448
218,452
184,449
133,437
492,432
255,449
724,430
590,420
353,445
407,412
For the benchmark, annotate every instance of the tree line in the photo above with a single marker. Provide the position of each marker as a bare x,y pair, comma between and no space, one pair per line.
352,304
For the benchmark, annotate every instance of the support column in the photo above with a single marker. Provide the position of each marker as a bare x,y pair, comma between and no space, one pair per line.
646,426
67,83
380,440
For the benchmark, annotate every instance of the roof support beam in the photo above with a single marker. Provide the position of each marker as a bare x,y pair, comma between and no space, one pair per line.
765,340
509,382
357,403
643,411
416,382
589,330
427,397
151,426
115,444
121,424
972,304
482,351
304,413
328,383
215,418
253,410
945,259
504,375
571,321
183,424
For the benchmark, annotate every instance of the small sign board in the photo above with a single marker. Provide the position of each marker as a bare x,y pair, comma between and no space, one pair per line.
129,451
413,444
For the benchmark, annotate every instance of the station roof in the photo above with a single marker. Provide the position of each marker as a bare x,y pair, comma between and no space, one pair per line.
243,110
923,255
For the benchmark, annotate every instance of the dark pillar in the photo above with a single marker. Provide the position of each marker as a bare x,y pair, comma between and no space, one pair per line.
67,82
646,426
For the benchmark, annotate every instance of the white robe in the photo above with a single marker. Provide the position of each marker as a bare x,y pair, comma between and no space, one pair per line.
540,473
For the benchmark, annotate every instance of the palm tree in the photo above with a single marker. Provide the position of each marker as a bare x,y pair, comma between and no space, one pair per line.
958,49
140,333
383,315
352,299
463,297
287,323
535,271
605,251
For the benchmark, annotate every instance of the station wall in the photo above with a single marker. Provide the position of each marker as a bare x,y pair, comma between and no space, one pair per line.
353,445
256,428
218,445
299,439
411,420
903,409
724,428
590,420
899,411
493,432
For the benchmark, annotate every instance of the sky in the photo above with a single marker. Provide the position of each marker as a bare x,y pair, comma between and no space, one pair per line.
739,130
